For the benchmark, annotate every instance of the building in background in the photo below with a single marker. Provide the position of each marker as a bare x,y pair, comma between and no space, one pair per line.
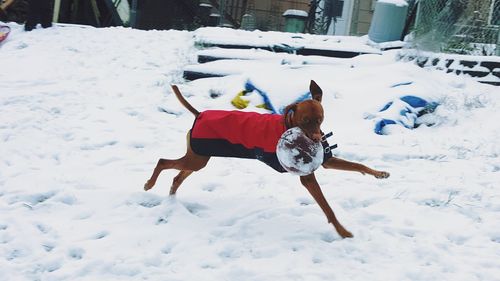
335,17
362,13
269,14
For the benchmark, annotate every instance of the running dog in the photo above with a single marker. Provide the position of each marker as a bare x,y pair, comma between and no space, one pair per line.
255,136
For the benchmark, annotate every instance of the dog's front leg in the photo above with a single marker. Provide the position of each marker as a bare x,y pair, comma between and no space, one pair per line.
341,164
311,184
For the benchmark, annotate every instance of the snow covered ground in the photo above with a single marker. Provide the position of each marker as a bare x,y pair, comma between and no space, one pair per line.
85,114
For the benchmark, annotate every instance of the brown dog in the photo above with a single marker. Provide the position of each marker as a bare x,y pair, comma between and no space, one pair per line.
228,134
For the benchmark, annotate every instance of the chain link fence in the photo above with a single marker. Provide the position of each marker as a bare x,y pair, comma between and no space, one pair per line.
458,26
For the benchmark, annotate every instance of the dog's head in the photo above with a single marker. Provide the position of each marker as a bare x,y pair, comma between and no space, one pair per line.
308,114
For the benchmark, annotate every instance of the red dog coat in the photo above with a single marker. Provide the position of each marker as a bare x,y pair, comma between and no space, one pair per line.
239,134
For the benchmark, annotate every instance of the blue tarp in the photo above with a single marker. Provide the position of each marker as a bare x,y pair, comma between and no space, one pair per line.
250,87
405,111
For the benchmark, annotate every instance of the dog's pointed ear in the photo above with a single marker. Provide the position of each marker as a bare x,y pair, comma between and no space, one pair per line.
290,107
289,119
316,92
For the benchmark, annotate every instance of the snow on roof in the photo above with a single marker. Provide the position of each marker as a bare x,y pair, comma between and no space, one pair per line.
399,3
296,13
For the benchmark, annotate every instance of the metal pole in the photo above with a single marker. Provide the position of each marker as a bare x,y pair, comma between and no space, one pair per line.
133,14
222,11
57,8
498,43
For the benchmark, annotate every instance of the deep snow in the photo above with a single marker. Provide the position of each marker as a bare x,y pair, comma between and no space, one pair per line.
85,114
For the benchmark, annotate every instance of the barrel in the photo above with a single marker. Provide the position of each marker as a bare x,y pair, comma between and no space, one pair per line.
388,20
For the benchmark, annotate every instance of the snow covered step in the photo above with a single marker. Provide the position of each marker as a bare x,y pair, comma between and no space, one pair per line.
209,55
224,67
300,44
485,69
340,51
221,68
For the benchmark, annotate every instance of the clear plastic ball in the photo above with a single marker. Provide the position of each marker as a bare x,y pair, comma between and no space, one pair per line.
297,153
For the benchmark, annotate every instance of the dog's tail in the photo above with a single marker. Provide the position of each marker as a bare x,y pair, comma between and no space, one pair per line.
184,102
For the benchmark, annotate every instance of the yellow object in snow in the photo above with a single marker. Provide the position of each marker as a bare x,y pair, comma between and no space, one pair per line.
264,106
238,102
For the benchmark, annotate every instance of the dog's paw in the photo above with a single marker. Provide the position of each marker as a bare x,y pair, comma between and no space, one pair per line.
382,175
344,233
148,185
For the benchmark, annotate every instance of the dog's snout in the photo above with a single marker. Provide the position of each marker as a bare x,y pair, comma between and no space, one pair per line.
316,137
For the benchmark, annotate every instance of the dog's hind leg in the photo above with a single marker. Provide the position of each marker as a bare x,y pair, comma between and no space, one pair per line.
178,180
190,162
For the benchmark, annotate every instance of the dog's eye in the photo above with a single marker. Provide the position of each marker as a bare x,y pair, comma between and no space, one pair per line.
306,120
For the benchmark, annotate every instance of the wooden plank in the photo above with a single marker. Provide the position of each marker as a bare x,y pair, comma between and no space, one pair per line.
115,17
74,11
95,12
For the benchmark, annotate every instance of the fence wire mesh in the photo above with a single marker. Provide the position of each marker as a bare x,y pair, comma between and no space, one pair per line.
458,26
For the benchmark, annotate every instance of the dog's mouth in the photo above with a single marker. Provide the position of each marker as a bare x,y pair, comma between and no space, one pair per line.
315,137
